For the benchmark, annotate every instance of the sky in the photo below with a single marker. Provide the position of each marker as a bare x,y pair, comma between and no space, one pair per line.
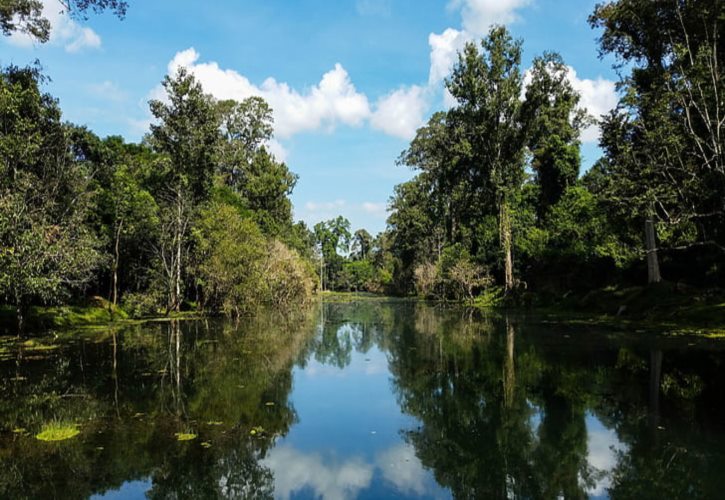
350,81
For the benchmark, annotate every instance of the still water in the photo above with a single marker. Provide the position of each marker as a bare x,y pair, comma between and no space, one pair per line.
363,400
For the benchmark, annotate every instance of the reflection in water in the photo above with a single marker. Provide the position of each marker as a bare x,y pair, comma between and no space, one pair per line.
363,400
295,471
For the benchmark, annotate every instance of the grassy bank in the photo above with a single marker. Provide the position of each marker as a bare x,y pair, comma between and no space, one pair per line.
94,312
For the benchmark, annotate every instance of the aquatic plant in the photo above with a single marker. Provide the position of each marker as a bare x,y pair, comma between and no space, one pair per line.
57,432
185,436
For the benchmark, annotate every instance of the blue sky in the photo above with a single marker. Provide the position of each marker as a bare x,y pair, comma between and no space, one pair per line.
350,80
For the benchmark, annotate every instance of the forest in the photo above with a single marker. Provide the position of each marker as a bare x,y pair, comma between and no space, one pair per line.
198,217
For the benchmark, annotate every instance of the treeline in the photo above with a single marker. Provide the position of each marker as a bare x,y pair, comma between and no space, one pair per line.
197,215
498,199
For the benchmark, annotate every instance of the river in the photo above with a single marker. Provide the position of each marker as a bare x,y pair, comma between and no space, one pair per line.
371,399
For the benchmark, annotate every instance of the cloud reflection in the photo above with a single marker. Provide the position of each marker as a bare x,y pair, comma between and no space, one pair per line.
294,471
333,479
603,446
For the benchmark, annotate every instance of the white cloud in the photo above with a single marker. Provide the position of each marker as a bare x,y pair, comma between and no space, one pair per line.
63,31
294,471
276,148
444,50
598,97
333,101
377,209
401,112
479,15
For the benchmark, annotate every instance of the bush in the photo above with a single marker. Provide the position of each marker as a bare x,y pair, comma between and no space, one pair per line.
140,304
289,279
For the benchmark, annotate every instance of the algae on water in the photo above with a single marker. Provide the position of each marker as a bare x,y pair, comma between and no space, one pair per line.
57,432
185,436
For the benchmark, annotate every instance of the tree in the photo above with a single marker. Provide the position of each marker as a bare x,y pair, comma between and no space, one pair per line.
26,16
664,148
554,124
187,134
46,247
245,127
362,243
135,216
266,189
487,86
332,236
229,252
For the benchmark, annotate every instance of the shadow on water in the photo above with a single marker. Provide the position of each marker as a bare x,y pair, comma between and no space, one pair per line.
491,407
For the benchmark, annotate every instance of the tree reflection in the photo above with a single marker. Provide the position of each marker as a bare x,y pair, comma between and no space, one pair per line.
130,396
504,406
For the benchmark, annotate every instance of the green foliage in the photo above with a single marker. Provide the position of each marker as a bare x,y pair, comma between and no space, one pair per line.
228,254
288,278
46,249
554,122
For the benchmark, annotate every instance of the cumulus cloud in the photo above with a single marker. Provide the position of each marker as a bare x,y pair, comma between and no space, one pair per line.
294,471
401,112
479,15
333,101
64,31
444,50
477,18
598,97
278,150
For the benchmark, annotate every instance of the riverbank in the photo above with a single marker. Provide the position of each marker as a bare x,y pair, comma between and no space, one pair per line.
96,312
665,308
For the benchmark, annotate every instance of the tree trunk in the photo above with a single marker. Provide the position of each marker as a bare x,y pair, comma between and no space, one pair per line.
114,270
21,318
179,239
506,244
653,264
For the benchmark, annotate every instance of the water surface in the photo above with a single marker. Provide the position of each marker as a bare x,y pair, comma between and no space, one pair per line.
363,400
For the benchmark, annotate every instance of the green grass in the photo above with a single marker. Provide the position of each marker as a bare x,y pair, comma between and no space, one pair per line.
57,432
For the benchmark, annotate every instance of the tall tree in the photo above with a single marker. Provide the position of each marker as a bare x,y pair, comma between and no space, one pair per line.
664,146
362,244
187,133
487,86
245,127
554,121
